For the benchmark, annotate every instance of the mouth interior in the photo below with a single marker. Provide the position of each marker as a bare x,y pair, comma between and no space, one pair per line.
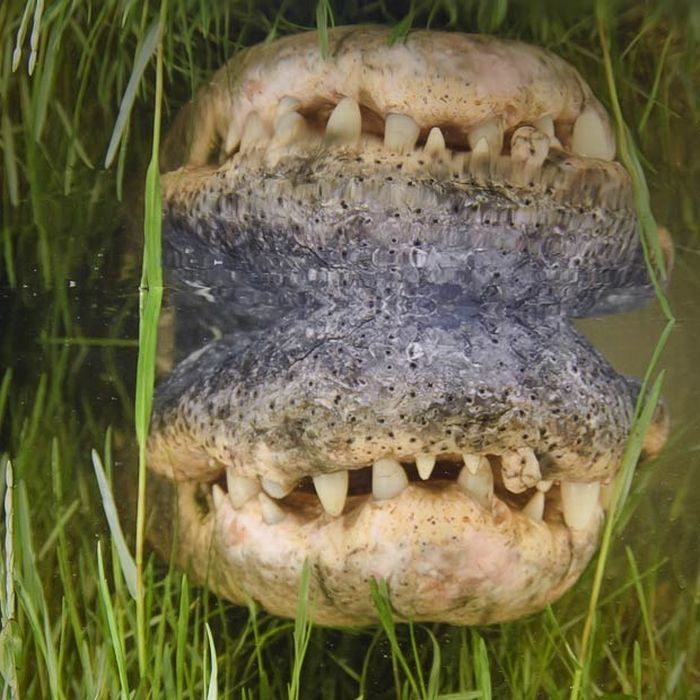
446,473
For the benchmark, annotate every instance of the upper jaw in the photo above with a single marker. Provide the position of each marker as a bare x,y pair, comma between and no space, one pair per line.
470,87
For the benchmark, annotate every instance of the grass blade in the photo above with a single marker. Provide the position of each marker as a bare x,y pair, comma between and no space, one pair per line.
117,643
128,566
143,56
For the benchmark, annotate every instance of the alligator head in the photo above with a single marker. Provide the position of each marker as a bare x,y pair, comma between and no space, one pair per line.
372,259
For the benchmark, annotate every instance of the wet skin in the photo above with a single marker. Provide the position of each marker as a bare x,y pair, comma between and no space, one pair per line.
372,264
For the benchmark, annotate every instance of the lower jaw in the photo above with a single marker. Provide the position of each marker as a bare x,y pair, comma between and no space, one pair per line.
444,557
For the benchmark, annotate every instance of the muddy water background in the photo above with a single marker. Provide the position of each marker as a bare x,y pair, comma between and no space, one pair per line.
69,341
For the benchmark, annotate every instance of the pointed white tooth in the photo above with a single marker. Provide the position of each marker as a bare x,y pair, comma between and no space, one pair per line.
528,145
481,149
218,496
474,462
591,136
425,465
332,490
435,144
233,138
289,128
534,509
606,494
255,133
400,133
479,485
240,488
285,105
275,489
345,123
520,470
388,479
544,485
492,132
545,125
579,502
271,512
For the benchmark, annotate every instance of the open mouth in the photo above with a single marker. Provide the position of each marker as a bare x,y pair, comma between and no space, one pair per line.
372,257
480,478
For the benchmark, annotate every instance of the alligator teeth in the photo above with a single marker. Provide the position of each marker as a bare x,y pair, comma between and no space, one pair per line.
479,485
425,465
271,512
435,144
400,133
240,488
492,131
275,489
254,132
332,490
233,138
345,123
388,479
545,125
474,462
534,508
591,136
606,494
481,149
218,496
579,502
290,127
544,485
285,105
528,145
520,470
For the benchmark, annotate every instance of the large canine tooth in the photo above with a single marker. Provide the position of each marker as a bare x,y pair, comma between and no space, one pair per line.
332,490
285,105
345,123
534,508
275,489
255,133
435,144
271,512
492,131
545,125
290,127
479,485
388,479
591,137
240,488
606,494
400,133
218,496
233,138
579,502
425,465
474,462
520,470
530,146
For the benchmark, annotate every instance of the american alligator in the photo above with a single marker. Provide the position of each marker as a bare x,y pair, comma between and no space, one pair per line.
372,258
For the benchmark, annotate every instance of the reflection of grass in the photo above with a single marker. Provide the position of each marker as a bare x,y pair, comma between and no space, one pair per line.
71,627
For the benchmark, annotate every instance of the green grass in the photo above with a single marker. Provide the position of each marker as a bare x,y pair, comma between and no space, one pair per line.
82,90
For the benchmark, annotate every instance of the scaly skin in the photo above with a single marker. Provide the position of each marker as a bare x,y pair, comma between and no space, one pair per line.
342,302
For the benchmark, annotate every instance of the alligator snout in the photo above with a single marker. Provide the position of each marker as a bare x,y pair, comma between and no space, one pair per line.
373,259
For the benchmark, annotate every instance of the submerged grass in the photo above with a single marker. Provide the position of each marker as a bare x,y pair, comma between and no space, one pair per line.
83,618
